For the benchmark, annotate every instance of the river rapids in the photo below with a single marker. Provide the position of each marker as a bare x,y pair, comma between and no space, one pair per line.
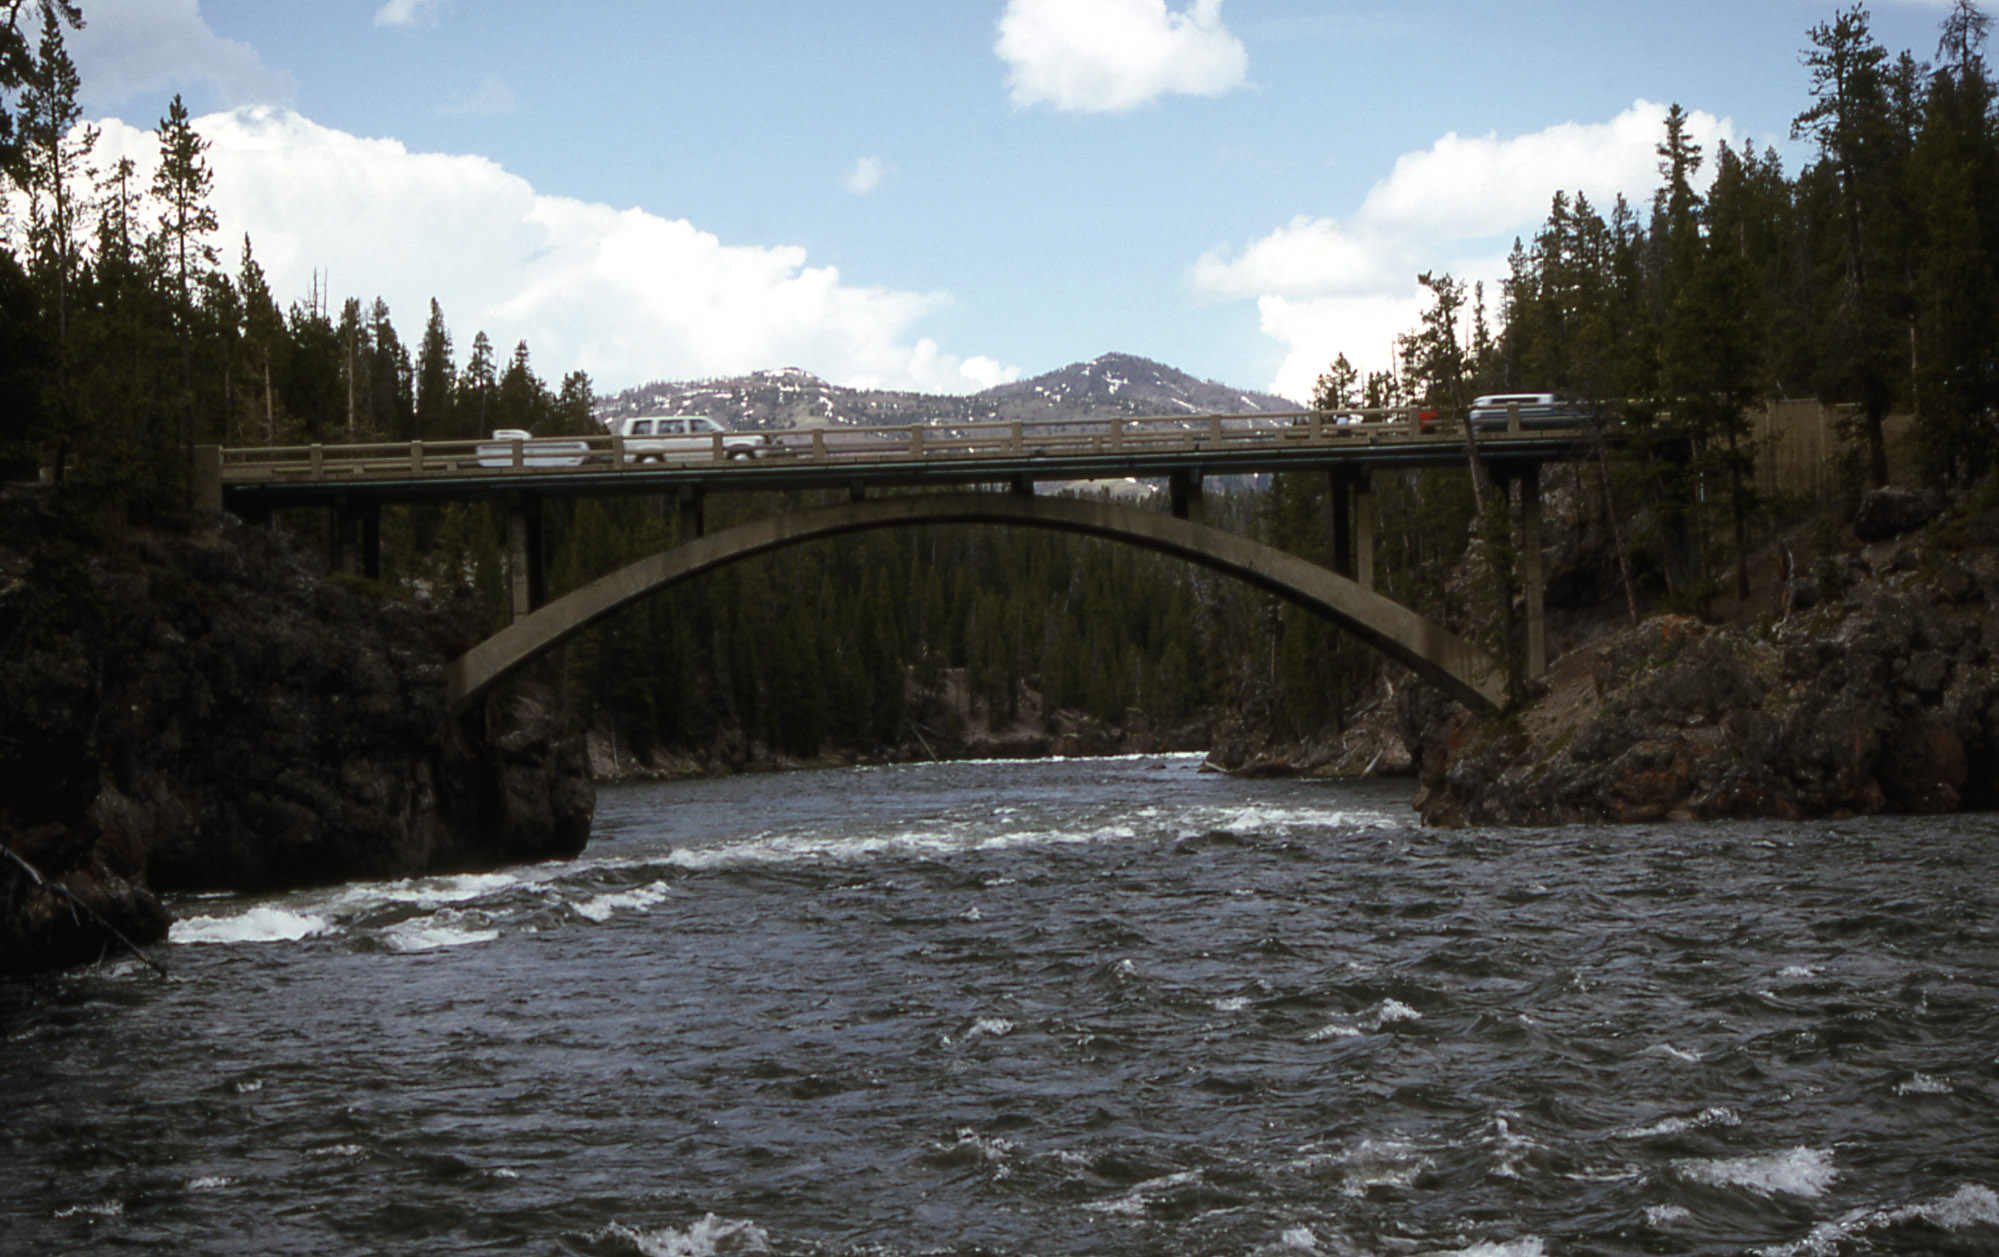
1079,1007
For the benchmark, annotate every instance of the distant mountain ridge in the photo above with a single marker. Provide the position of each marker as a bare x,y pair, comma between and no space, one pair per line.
1114,384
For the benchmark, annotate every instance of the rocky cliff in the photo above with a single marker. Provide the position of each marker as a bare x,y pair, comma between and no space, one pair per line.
207,710
1875,687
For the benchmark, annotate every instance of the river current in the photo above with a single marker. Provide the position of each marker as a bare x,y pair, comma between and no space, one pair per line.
1093,1006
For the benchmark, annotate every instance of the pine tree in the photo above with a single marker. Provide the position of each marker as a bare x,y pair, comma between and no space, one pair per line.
53,164
1954,186
477,386
17,66
1851,123
435,379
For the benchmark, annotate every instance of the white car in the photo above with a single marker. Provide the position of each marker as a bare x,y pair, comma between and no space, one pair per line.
535,451
687,438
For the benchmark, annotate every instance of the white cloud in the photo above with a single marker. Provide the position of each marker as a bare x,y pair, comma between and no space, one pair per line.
129,48
1324,286
625,295
864,176
492,96
407,12
1106,56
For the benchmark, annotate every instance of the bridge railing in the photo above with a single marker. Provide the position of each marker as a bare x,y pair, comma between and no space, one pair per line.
832,445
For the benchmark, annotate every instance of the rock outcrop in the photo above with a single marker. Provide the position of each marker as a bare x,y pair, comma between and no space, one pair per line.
208,711
1883,696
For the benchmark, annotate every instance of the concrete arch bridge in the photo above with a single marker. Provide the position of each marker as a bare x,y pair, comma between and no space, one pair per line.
1461,669
953,468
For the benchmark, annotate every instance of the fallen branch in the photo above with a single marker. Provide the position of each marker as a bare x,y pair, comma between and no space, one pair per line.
75,904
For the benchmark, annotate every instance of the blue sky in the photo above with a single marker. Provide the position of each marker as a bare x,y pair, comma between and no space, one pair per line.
916,193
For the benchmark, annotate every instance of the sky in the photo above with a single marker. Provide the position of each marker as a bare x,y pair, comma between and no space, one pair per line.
931,194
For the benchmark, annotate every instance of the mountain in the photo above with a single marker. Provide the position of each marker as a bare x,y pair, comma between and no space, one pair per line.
1115,384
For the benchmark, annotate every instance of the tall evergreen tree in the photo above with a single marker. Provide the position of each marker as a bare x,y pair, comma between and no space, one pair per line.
1851,123
436,379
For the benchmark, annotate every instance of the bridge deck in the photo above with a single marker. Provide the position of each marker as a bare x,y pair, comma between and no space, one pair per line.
848,457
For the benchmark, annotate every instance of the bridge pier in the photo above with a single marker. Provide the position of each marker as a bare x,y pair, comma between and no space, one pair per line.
1530,571
524,555
1523,488
1353,525
357,537
693,512
1183,488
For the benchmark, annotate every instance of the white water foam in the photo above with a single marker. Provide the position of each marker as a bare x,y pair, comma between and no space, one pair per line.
431,933
261,924
1379,1163
1330,1031
1969,1206
102,1209
1714,1116
1232,1004
1388,1012
432,892
1261,818
638,899
990,1027
208,1182
1529,1246
1923,1085
952,835
710,1237
1798,1172
1670,1052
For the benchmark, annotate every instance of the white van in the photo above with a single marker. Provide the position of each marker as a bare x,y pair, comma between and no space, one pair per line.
685,439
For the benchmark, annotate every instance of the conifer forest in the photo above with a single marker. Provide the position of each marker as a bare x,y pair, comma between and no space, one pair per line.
131,332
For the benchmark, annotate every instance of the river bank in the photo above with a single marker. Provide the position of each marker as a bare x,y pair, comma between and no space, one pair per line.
205,709
1868,682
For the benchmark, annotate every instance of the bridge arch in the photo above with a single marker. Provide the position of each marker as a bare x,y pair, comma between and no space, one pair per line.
1433,652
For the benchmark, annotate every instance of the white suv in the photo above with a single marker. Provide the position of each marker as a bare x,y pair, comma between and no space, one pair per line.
687,438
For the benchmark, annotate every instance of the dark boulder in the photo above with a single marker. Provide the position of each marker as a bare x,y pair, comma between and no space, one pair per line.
1889,512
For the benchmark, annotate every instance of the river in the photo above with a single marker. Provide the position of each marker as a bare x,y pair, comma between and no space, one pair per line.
1094,1006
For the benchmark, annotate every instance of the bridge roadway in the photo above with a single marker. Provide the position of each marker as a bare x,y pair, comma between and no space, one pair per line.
253,481
355,481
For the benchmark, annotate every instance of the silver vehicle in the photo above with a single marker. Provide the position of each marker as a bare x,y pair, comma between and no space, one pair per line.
1537,410
535,451
687,438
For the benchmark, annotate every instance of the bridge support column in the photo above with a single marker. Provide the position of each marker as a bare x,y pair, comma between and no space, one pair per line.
693,513
1022,487
1352,525
1341,487
1363,531
524,562
1184,491
1530,573
208,477
357,537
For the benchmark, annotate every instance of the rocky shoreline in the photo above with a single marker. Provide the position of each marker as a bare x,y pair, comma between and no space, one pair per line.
1874,688
208,710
